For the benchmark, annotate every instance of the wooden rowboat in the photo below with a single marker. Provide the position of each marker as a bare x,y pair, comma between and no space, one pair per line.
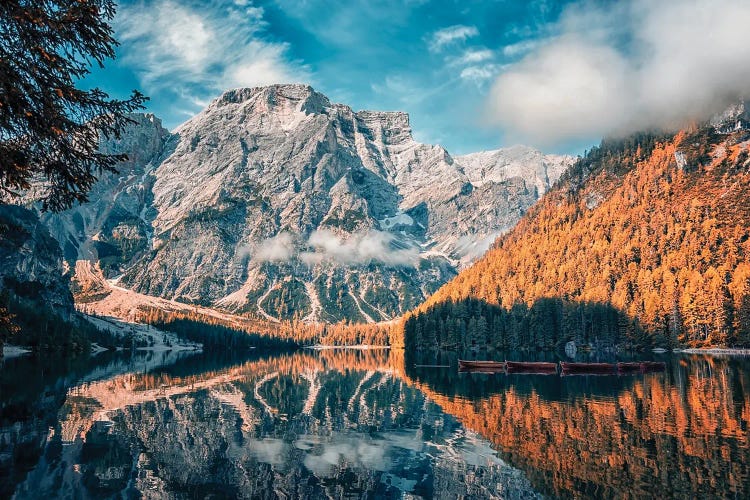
489,366
636,367
653,366
530,367
641,367
588,368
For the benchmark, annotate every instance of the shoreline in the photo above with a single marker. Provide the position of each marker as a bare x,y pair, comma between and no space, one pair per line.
362,347
715,350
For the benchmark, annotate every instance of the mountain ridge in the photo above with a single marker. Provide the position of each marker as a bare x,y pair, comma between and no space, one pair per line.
276,202
643,242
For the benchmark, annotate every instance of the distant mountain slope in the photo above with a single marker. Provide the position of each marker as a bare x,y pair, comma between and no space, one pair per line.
34,286
276,202
645,241
31,265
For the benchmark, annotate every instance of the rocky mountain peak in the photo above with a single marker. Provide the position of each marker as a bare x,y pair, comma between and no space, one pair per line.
276,98
141,140
385,128
734,118
277,202
535,168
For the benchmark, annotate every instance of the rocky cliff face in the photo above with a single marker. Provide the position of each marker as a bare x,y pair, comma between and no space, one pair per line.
31,265
113,226
276,201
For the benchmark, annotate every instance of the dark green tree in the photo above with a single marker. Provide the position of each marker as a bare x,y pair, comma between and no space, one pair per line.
7,327
50,129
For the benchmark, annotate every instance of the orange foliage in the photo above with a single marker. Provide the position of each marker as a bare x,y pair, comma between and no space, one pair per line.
667,244
651,441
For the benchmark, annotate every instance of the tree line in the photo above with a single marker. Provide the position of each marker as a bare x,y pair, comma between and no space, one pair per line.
665,244
549,323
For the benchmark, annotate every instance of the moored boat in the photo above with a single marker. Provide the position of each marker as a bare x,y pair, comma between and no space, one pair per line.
588,368
653,366
530,367
634,367
489,366
641,367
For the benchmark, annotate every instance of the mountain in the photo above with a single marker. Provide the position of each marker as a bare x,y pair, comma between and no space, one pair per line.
34,284
31,265
645,241
276,202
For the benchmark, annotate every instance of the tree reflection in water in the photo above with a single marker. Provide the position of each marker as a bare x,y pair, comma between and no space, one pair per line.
308,425
681,433
367,423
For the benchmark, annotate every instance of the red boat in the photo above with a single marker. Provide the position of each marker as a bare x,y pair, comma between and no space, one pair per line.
531,367
487,366
641,367
636,367
653,366
588,368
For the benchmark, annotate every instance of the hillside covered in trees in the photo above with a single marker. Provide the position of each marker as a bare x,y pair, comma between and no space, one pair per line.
643,242
238,332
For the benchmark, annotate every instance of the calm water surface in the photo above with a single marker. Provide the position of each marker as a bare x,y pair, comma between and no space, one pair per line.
350,424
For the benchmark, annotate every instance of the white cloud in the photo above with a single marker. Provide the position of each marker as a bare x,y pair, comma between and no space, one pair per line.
200,48
359,248
481,73
450,35
568,90
472,56
613,70
325,245
279,248
521,48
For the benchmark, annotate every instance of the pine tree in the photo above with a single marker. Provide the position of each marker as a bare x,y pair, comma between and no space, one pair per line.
49,128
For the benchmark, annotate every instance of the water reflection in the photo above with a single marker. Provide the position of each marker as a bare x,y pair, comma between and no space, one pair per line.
308,425
681,433
355,424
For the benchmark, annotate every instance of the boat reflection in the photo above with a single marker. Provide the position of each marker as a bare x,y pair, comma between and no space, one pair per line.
680,433
345,423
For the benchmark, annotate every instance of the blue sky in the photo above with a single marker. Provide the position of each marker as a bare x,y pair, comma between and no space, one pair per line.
473,75
433,59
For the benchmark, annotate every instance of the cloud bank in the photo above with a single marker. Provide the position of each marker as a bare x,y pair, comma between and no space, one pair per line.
613,69
279,248
360,248
201,48
324,245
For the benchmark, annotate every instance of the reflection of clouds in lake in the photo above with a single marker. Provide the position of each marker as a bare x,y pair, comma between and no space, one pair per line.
478,452
323,457
404,439
396,454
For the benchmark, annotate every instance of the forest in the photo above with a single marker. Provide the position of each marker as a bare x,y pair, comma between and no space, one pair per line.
644,242
214,335
472,324
43,328
239,333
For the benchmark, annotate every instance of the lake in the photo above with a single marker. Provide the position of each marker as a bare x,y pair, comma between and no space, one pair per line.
354,424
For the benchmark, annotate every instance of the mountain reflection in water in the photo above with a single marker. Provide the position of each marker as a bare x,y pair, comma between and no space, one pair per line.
303,425
353,424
